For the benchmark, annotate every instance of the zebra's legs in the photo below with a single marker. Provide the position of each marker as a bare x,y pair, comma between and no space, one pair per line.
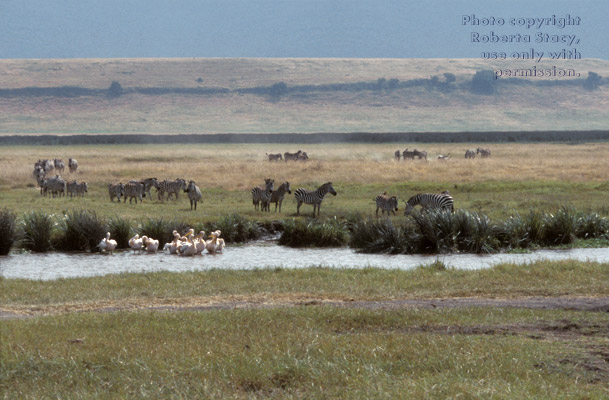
298,207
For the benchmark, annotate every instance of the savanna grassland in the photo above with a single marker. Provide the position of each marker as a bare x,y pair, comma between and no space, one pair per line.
173,96
517,178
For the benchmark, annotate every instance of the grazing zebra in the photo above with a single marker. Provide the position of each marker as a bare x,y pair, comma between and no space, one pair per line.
170,187
194,194
149,183
484,153
313,197
56,186
116,190
274,157
302,156
134,190
420,154
470,154
81,188
262,195
59,165
278,195
72,165
430,201
388,204
407,155
291,156
397,155
71,188
46,165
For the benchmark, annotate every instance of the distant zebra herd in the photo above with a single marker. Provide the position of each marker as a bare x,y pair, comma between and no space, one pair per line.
422,155
298,156
56,186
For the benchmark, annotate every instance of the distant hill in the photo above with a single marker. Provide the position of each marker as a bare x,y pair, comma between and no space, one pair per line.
204,96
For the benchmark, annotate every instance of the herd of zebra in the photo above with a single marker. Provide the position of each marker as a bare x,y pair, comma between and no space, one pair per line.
422,155
139,189
265,195
56,186
298,156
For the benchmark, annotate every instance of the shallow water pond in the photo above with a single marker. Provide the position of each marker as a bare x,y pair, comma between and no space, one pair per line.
47,266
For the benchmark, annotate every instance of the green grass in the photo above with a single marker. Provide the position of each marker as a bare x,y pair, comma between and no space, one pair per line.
304,352
542,278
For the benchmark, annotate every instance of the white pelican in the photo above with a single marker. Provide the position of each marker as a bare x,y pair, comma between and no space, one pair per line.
220,242
107,244
152,245
212,244
200,242
136,243
188,247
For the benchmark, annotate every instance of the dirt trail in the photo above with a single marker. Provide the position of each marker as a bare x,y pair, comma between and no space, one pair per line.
595,304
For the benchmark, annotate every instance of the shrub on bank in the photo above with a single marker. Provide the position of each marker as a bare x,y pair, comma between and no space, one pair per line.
314,233
235,228
81,230
8,231
37,230
120,230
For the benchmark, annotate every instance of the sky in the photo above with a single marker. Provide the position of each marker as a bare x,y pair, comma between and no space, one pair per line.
289,28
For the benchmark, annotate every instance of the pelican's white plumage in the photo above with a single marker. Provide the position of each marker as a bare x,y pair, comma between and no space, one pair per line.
107,244
136,243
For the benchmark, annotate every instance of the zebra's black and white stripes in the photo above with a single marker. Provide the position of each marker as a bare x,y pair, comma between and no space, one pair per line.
430,201
262,195
171,188
314,197
386,204
278,195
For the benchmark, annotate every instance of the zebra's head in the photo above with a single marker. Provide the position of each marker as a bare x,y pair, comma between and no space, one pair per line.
270,185
409,206
329,188
286,186
191,187
393,201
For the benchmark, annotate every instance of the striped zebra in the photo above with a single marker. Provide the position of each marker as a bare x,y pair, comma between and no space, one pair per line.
291,156
386,204
407,155
194,194
274,157
262,195
470,154
313,197
116,190
150,183
134,190
81,188
484,153
303,156
71,188
420,154
55,185
430,201
59,165
72,165
171,188
397,155
278,195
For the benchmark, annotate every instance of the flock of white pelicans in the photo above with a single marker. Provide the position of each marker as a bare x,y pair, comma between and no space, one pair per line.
187,245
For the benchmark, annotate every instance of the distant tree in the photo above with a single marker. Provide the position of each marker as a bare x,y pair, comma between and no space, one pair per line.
200,80
435,80
380,83
393,83
115,89
593,81
483,82
278,89
450,78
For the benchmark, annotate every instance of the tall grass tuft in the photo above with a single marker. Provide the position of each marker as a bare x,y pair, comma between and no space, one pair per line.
236,228
314,233
37,231
161,229
560,228
382,236
591,226
8,231
120,230
82,230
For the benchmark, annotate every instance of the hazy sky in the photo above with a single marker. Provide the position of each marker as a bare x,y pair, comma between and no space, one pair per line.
285,28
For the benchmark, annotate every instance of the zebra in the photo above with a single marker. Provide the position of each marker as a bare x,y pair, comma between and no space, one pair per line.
71,188
194,194
263,195
81,189
170,187
407,155
388,204
420,154
59,165
484,153
313,197
470,154
56,185
278,195
134,190
274,157
72,165
149,183
302,156
397,155
116,190
430,201
291,156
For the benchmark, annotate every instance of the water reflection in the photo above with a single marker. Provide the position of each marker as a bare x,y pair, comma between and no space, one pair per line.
48,266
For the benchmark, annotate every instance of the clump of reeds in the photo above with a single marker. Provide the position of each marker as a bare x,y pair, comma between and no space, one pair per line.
314,233
592,226
120,230
382,236
81,230
161,229
235,228
37,230
560,228
8,231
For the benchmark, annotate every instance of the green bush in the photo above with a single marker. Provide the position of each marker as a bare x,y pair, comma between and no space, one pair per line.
8,231
235,228
314,233
591,226
161,229
81,230
382,236
560,228
37,230
120,230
